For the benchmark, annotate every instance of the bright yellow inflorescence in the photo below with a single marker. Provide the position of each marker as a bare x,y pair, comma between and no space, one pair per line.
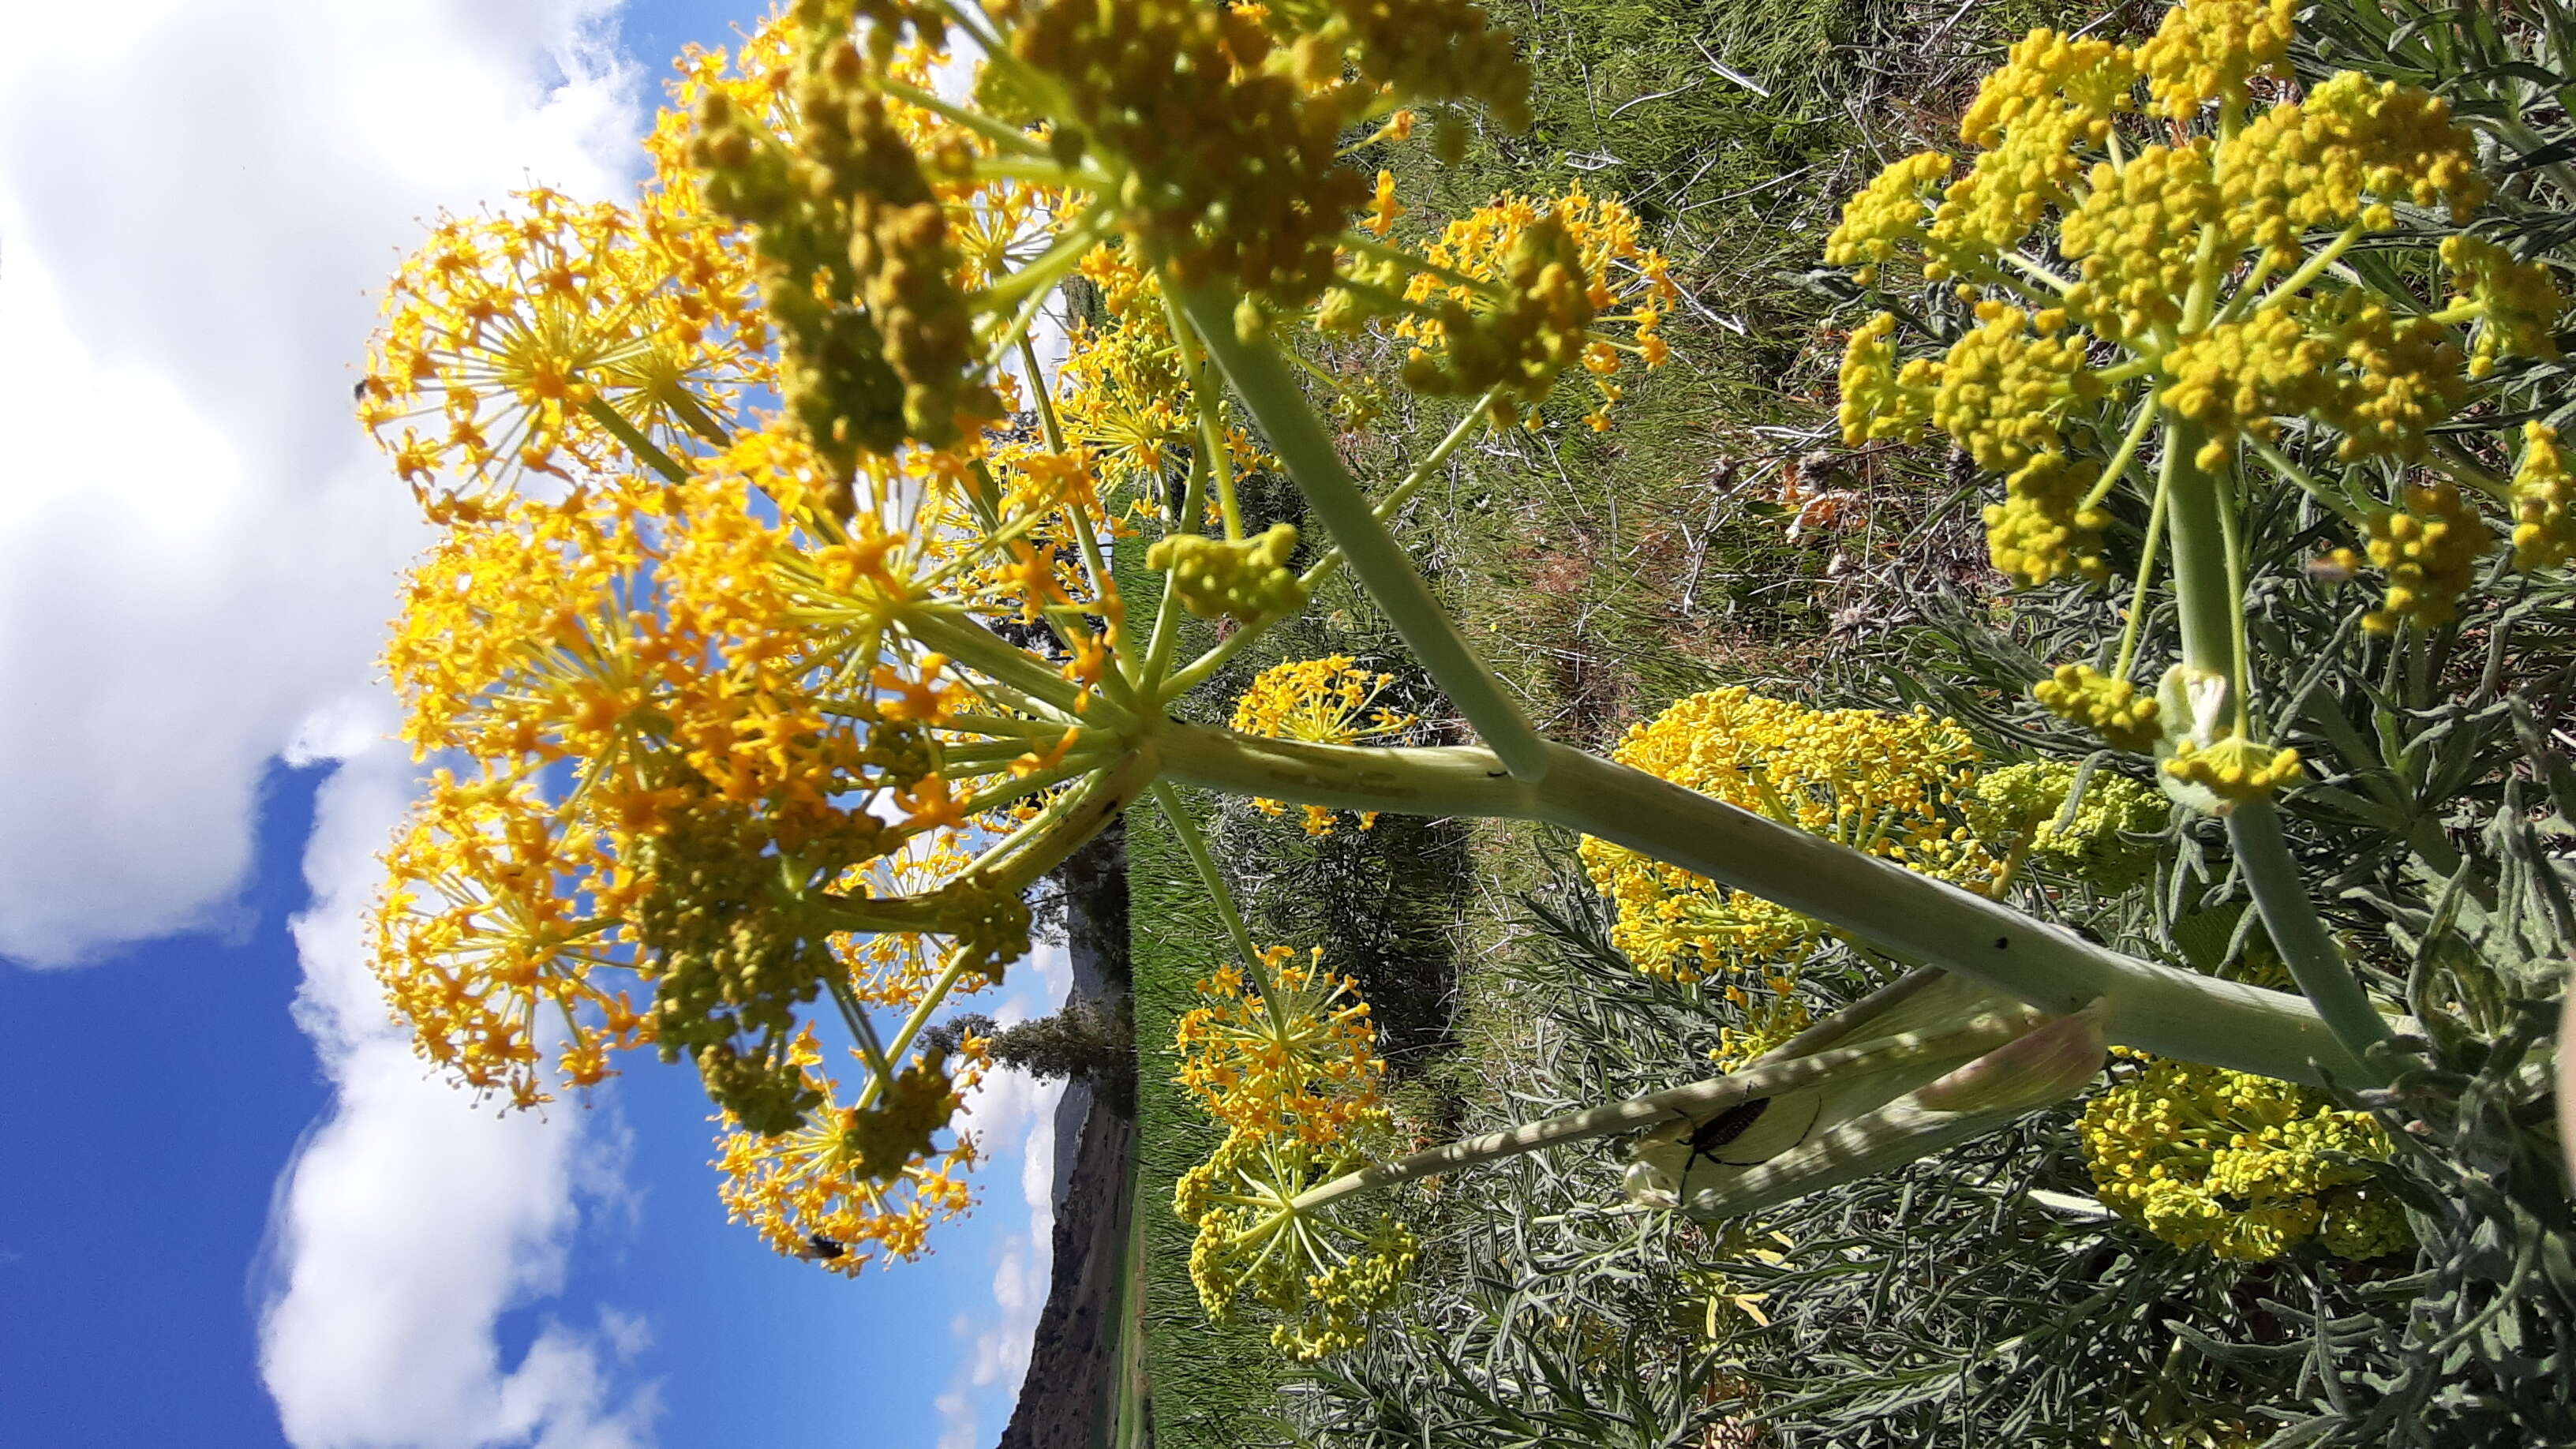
1327,701
1548,273
537,339
2205,304
1294,1057
2242,1165
2429,549
1892,785
2032,807
2114,708
752,720
2234,769
854,1184
1286,1060
2544,502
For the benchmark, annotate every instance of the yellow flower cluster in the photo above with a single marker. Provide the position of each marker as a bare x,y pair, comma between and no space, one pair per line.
2233,768
1885,220
2160,234
2027,807
2237,377
2244,1166
2430,550
857,1184
1295,1057
2517,303
1429,49
857,262
1230,156
540,339
486,941
1766,1025
2339,157
2137,235
1322,1276
2544,501
1893,785
2042,529
1244,579
1520,287
1328,701
1290,1068
1880,399
2113,708
2208,51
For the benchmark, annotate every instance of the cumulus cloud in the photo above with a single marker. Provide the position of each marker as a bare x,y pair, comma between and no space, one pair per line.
197,198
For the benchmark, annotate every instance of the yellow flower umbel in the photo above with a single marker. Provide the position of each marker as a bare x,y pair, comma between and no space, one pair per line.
1892,785
1294,1056
1323,702
1322,1276
2244,1166
1520,287
2032,810
549,339
854,1184
2158,287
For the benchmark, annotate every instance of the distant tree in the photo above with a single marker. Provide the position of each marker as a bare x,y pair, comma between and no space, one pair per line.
1090,1041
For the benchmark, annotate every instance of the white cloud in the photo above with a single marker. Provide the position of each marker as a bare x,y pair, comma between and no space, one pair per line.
1010,1110
197,198
410,1222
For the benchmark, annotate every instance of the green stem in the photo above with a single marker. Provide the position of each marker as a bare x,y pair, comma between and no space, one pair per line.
2157,1008
2290,918
1221,895
2202,587
1698,1100
1215,659
641,446
2136,623
1381,563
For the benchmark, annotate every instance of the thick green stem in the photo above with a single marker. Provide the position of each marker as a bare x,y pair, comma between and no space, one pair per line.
1699,1099
2157,1008
1381,563
2281,898
2202,590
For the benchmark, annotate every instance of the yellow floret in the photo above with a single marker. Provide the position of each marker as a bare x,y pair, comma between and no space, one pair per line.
1886,216
1246,580
1880,398
2236,377
2042,530
2003,387
2342,156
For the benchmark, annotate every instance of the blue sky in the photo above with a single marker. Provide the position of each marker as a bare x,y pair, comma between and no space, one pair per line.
232,1213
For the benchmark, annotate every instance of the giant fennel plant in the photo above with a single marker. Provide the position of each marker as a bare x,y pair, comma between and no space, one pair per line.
771,647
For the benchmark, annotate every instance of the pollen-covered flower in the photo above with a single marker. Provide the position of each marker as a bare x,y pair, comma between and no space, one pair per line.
1892,785
2430,550
852,1184
1327,701
2242,1165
